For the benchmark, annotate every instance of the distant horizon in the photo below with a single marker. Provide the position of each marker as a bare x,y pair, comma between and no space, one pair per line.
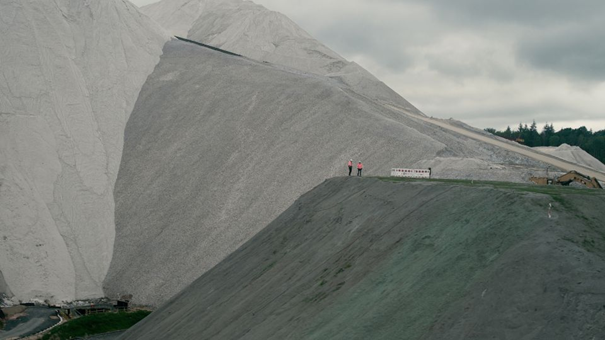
487,66
540,125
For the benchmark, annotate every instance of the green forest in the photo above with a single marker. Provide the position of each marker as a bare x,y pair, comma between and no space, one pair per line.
591,142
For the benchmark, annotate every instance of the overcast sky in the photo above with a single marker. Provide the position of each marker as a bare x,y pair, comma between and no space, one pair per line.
489,63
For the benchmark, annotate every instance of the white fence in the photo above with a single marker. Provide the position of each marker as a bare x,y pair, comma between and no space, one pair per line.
411,173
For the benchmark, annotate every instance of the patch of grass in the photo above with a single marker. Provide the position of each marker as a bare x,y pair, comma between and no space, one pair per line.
1,324
558,199
534,188
95,324
556,192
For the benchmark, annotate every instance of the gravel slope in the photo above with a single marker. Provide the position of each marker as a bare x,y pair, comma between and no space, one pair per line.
253,31
573,154
35,320
365,259
561,159
70,73
218,146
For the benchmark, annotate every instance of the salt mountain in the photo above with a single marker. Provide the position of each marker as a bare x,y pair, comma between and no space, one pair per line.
71,73
251,30
218,145
214,149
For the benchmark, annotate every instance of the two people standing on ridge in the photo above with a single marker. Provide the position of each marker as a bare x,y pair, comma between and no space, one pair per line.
359,167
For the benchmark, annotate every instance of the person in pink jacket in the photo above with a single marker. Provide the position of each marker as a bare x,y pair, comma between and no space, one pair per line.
350,164
359,168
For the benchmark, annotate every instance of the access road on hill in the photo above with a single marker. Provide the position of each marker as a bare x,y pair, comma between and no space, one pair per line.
523,150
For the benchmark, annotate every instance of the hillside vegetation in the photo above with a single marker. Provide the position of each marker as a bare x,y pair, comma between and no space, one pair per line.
591,142
95,324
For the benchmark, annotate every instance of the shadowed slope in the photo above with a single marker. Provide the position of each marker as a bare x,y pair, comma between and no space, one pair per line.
365,259
219,145
4,289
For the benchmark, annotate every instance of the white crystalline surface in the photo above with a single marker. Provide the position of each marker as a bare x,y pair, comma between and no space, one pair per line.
573,154
70,73
253,31
177,16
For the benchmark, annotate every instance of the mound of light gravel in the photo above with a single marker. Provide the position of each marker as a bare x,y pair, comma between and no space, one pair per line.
573,154
218,145
71,72
252,30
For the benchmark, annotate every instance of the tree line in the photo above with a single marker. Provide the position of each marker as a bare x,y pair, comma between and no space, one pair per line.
591,142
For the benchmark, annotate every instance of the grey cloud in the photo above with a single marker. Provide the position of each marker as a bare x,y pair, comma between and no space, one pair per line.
531,13
512,114
577,52
480,67
378,42
562,36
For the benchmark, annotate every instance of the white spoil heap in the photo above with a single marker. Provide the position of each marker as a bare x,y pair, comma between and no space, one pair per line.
253,31
215,148
71,71
218,146
573,154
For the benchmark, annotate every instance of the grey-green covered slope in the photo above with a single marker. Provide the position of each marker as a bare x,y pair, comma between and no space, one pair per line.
218,146
366,259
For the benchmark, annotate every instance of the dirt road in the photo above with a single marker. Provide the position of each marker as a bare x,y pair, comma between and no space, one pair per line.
567,166
36,319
